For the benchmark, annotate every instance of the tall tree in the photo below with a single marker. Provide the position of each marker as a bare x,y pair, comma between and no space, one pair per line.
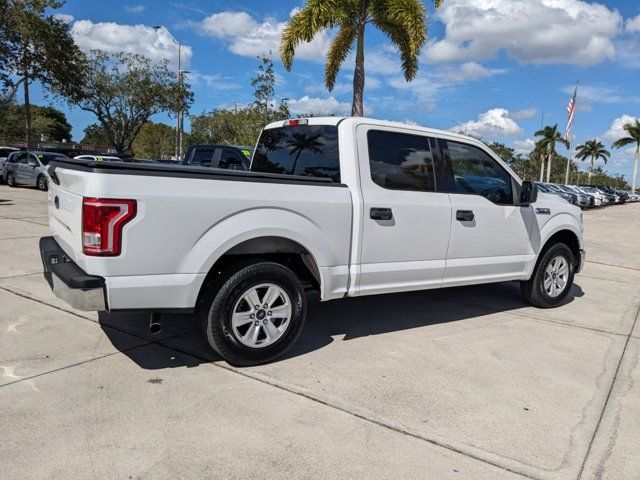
124,91
95,134
242,125
549,136
155,141
633,136
404,22
36,47
47,122
594,150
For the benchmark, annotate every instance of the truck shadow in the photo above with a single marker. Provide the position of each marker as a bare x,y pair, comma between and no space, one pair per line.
345,319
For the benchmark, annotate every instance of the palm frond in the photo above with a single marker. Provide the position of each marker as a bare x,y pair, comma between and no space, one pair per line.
623,142
404,23
317,15
339,51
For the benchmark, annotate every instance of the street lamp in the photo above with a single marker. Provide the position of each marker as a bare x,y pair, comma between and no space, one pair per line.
179,112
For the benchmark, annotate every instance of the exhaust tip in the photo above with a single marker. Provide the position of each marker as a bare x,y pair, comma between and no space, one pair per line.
155,328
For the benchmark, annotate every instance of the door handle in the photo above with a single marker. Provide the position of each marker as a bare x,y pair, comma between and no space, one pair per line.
380,214
465,215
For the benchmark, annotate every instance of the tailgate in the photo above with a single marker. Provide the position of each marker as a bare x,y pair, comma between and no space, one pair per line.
65,210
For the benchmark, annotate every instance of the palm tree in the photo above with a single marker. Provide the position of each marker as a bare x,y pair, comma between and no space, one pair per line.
402,21
633,130
549,137
299,143
593,149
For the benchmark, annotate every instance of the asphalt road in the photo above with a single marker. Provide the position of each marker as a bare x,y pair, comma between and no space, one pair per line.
464,383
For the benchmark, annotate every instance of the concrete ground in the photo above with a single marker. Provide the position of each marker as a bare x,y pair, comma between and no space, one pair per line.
464,383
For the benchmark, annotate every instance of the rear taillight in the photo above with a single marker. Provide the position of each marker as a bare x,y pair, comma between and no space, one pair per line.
102,223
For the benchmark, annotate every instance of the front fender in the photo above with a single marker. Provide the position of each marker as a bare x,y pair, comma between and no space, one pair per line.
559,222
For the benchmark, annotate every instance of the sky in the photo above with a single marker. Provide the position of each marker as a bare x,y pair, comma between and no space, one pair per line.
496,69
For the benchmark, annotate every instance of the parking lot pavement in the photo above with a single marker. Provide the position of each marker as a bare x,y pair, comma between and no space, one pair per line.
467,382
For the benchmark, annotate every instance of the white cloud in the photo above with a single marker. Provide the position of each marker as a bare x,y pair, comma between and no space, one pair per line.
523,114
113,37
530,31
633,24
616,130
135,8
321,106
465,72
247,37
318,106
494,123
524,146
64,17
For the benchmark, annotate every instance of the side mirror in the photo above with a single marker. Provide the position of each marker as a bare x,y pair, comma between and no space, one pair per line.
528,193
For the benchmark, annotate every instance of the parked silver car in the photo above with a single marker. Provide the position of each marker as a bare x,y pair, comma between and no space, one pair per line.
30,168
4,154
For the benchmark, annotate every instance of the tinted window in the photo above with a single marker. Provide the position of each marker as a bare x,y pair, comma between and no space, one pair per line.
476,172
45,158
203,156
230,160
4,152
310,150
400,162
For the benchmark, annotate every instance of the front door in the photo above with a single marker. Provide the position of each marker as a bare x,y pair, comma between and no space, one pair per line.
489,230
405,230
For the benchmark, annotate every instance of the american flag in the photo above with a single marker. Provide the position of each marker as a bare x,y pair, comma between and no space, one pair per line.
571,110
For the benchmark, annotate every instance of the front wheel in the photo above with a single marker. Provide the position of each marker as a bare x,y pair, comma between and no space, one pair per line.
11,179
552,278
42,183
256,315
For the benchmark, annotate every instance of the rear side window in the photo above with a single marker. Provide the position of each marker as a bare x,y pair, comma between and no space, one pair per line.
203,156
310,150
400,161
474,171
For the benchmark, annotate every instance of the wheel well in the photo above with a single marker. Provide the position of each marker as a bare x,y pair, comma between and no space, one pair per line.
569,239
274,249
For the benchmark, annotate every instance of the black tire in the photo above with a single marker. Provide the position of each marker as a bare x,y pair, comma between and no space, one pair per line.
533,289
11,179
42,183
223,294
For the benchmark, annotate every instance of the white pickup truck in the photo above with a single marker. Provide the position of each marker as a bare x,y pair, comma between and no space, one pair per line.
345,206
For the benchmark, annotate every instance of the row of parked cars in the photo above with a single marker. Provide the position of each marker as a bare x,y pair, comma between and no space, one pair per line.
589,196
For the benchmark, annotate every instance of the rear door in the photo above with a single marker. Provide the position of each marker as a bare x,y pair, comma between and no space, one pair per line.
406,220
20,166
489,230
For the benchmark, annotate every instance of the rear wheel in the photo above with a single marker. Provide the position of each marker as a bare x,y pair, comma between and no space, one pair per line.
552,278
11,179
255,315
42,183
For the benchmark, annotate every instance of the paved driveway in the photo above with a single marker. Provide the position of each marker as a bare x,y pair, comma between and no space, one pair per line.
460,383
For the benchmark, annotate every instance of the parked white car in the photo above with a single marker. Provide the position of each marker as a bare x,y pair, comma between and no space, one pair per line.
346,206
4,154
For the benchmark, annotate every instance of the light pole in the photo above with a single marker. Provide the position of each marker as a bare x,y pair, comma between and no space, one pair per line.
179,112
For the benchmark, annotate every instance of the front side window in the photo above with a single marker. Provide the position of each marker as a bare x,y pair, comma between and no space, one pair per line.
399,161
474,171
310,150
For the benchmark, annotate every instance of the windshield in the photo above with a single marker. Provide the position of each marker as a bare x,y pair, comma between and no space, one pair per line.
310,150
